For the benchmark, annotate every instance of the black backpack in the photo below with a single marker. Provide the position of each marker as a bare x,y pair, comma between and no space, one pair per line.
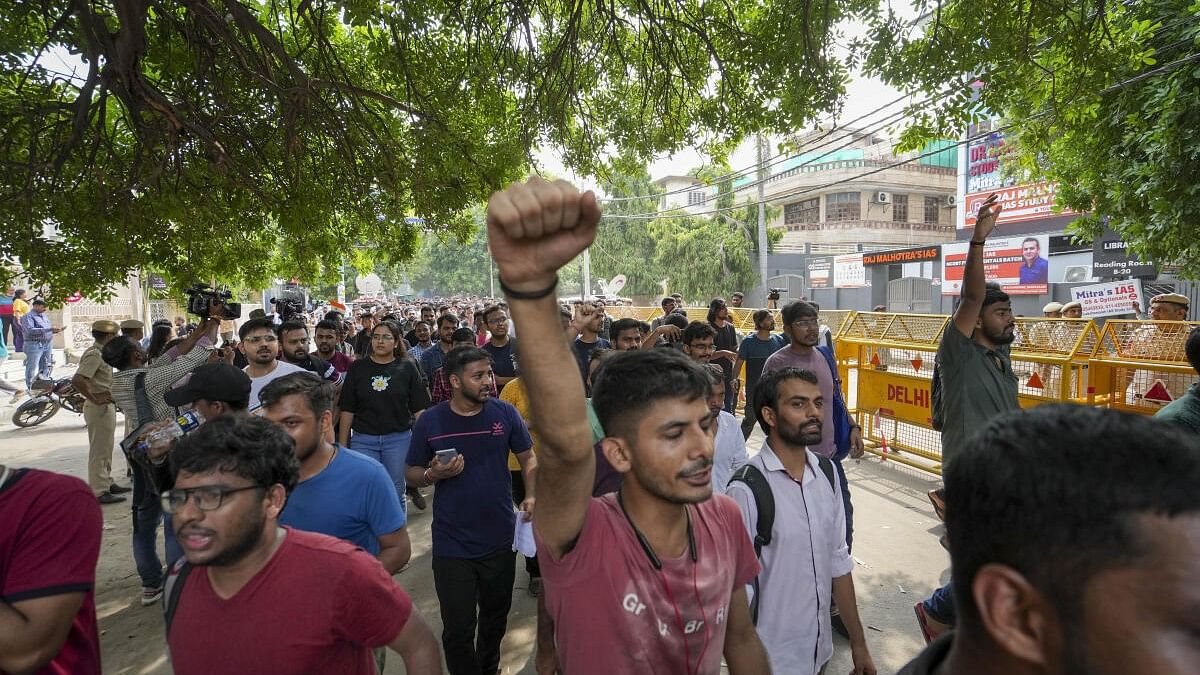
764,503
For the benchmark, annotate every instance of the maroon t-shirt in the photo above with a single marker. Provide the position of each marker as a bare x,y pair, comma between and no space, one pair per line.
49,544
318,606
615,613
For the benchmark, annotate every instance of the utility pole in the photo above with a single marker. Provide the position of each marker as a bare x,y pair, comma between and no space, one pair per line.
586,291
762,216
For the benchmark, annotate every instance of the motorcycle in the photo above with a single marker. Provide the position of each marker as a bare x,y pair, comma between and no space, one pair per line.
47,396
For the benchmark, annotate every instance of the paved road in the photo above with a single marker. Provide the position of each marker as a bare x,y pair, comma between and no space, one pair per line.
899,559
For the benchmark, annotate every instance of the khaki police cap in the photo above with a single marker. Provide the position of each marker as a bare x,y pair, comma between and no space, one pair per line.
1052,307
1173,298
1071,305
105,326
132,324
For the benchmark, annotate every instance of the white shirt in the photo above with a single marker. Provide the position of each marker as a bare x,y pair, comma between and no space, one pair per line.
257,383
730,451
807,551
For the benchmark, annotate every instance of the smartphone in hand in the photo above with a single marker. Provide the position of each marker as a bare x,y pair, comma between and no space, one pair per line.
446,456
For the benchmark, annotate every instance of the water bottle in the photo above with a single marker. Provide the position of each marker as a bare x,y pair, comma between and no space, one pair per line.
185,422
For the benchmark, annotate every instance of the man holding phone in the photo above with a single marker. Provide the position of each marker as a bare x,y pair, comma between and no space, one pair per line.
462,446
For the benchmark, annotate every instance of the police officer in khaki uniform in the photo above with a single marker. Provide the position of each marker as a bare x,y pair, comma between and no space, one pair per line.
93,379
134,330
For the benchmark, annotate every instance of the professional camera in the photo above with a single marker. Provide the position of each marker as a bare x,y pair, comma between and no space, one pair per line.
775,293
289,305
202,297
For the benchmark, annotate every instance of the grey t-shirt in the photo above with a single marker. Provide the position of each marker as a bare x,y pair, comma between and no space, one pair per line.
815,363
977,385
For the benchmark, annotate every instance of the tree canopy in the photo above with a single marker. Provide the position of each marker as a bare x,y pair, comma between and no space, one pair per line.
1102,97
238,139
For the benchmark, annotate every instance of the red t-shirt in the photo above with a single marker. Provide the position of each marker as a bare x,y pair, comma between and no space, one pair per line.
318,606
49,544
615,613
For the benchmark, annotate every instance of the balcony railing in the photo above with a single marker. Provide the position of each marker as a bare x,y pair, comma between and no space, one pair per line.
868,225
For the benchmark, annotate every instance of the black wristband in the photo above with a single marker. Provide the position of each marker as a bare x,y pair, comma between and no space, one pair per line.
977,243
536,295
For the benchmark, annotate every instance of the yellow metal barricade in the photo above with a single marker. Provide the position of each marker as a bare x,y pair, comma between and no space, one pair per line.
886,364
1140,366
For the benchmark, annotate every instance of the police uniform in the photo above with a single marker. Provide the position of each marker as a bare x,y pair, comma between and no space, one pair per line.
101,419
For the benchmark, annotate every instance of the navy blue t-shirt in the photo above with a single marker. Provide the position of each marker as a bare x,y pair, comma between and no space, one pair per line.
473,513
352,499
754,353
504,359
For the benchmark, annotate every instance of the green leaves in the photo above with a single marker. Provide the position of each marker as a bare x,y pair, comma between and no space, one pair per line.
239,138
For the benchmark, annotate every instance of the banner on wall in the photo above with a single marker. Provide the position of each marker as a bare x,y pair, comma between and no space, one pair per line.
849,272
904,255
819,272
1018,264
1111,299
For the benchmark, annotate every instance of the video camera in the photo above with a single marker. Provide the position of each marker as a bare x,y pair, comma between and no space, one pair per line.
202,297
774,293
289,305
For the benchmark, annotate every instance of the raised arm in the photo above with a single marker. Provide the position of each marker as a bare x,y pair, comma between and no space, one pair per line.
973,276
534,229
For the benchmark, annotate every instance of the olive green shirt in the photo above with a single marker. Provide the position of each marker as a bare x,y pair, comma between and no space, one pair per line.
97,372
977,385
1184,411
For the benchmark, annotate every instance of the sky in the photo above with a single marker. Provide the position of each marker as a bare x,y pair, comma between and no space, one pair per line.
863,94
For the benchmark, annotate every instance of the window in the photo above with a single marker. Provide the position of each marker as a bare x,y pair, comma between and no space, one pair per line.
933,206
696,197
899,208
843,206
807,211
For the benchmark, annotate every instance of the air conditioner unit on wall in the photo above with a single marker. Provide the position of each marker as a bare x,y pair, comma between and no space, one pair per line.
1076,273
882,198
951,201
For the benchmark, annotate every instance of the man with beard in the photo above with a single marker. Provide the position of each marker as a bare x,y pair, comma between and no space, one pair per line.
328,338
261,347
651,578
1075,541
340,493
435,357
500,346
233,476
791,596
293,349
422,340
588,321
975,379
626,335
362,340
427,317
473,520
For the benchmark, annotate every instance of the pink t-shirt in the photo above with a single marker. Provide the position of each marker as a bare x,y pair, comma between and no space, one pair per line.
615,613
318,606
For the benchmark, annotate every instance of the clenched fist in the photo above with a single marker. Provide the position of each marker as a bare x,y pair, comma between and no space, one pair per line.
536,227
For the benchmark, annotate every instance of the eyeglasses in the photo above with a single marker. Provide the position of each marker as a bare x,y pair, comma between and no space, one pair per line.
206,498
498,320
255,339
805,323
384,337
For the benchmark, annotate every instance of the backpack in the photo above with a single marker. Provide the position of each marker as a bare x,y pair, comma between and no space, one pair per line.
172,589
764,503
841,415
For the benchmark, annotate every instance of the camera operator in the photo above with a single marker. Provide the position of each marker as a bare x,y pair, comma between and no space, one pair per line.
130,362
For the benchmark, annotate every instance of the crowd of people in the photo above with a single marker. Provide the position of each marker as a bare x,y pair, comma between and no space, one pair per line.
280,461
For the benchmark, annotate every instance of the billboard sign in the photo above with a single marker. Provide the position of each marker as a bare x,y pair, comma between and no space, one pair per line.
1111,258
819,272
904,255
985,175
1110,299
848,271
1018,264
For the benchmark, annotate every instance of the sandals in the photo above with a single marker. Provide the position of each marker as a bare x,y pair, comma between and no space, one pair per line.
938,499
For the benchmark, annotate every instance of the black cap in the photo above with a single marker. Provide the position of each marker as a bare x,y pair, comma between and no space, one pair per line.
212,382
